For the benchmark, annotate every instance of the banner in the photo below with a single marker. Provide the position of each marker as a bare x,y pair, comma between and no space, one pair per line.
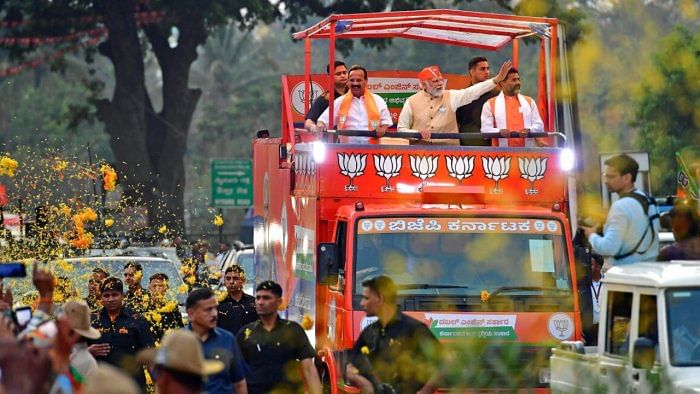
687,184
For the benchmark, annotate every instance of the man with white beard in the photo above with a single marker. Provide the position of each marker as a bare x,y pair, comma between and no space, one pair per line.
432,109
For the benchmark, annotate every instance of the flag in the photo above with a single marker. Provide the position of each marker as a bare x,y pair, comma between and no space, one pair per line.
687,184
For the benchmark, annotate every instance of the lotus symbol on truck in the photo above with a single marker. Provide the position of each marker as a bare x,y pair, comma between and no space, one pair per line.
562,326
496,168
532,169
460,167
423,167
387,166
352,165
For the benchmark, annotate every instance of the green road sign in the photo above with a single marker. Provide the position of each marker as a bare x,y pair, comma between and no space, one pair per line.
231,183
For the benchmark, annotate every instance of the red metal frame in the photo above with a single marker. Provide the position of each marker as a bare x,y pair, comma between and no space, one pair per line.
399,24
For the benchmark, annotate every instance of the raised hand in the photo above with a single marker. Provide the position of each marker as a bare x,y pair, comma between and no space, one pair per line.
503,72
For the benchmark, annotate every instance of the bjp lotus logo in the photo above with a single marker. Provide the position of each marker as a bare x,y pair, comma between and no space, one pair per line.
423,167
496,168
352,165
387,166
532,169
460,167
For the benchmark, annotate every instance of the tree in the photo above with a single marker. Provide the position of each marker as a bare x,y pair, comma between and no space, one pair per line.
667,106
148,143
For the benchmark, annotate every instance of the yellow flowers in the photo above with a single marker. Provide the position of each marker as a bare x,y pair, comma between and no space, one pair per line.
364,350
218,221
182,288
64,209
307,322
109,177
156,317
109,222
83,239
138,275
485,295
62,264
168,307
190,279
221,295
8,166
163,229
59,165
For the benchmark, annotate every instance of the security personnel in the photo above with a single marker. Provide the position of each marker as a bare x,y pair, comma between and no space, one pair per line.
123,333
93,298
238,308
274,347
396,353
163,314
136,298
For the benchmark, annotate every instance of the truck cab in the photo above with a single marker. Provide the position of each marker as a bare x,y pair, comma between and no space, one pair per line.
649,334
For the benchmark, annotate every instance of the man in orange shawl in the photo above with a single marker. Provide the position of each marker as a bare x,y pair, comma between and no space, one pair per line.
359,109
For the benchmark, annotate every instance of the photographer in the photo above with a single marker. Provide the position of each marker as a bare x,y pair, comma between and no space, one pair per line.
630,233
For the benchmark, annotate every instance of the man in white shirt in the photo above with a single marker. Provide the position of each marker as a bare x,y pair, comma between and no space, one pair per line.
359,109
432,109
511,111
632,227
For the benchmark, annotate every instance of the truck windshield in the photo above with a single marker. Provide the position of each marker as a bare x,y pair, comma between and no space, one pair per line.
461,256
684,326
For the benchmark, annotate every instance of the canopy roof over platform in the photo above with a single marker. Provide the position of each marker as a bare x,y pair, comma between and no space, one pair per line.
452,27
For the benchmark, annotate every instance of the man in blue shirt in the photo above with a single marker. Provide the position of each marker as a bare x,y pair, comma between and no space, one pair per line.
218,344
631,230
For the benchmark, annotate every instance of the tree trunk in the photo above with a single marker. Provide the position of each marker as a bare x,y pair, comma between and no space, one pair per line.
153,144
123,115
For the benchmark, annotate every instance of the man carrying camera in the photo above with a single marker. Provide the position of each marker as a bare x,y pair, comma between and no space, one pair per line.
630,233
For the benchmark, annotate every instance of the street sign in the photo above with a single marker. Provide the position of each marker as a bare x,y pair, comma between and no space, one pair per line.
231,183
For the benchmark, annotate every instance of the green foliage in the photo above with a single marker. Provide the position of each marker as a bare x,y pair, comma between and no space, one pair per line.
43,120
668,105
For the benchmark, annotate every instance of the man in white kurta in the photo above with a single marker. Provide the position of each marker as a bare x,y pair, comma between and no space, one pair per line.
511,111
359,115
432,109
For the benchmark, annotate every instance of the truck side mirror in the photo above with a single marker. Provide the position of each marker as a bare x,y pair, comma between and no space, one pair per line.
643,354
328,264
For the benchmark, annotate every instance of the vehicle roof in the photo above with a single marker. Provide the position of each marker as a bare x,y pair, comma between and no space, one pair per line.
454,27
656,274
118,258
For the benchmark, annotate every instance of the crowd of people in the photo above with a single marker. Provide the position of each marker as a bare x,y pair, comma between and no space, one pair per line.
123,339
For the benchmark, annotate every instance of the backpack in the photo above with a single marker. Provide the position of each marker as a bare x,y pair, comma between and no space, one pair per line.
645,201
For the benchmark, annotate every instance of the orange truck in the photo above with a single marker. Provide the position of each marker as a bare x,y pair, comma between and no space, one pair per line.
478,239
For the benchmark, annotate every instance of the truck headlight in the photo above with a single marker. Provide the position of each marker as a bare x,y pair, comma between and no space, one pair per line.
318,150
567,159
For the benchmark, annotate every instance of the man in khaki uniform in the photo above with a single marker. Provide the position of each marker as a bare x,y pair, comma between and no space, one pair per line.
432,109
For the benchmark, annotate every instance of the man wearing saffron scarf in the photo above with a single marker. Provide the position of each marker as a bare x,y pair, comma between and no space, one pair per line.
359,109
432,109
511,111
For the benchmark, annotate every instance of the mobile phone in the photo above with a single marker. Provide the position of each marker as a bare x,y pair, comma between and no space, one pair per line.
22,316
12,270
